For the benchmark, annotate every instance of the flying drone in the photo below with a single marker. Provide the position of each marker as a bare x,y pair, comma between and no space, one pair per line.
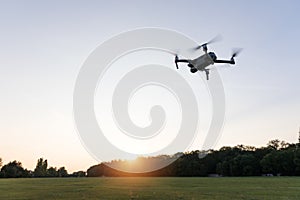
204,61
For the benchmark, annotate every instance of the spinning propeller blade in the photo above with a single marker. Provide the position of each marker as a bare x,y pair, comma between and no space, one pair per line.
236,52
215,39
176,58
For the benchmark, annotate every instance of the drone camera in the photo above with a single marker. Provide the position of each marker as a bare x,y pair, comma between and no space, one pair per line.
212,55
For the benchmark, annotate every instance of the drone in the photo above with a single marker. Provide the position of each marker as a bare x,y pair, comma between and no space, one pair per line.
204,61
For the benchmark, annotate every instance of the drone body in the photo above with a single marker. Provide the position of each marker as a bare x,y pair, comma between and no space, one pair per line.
204,61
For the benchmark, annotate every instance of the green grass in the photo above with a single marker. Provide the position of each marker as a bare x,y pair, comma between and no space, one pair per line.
151,188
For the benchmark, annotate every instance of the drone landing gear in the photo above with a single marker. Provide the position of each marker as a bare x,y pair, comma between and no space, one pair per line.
207,74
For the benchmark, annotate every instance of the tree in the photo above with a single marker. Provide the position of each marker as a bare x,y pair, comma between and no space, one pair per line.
284,145
277,144
13,170
52,172
286,160
269,163
41,168
78,174
244,165
62,172
223,168
0,162
297,161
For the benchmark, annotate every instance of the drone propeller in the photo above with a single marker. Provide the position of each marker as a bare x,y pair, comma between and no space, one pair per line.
204,46
236,52
175,53
176,58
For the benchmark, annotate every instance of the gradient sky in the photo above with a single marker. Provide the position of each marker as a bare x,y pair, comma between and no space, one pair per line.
44,43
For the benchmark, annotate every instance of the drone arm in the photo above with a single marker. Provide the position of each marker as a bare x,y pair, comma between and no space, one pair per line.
225,61
182,60
179,60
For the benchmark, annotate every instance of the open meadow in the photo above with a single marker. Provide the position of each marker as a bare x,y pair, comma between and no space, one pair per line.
151,188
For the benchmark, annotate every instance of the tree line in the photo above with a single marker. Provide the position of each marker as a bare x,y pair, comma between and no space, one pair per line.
277,158
15,169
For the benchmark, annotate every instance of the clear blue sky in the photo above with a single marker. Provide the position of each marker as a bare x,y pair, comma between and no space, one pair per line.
44,43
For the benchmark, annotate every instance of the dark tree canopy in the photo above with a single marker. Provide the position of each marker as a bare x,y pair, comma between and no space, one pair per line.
278,158
41,168
14,169
62,172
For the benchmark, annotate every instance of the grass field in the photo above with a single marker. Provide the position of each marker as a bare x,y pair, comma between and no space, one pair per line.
151,188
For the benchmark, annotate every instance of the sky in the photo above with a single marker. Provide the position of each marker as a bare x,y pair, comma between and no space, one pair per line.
43,45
